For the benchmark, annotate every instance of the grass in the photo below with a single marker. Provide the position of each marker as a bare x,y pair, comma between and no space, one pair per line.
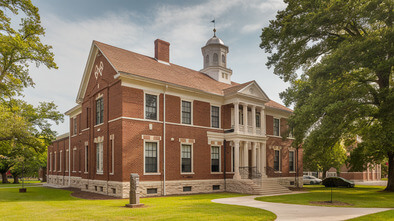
27,183
54,204
382,216
360,196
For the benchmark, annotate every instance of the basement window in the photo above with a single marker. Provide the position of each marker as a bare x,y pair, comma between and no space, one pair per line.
113,190
151,191
216,187
187,188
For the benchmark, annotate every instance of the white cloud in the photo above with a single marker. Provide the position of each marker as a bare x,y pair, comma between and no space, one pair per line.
187,28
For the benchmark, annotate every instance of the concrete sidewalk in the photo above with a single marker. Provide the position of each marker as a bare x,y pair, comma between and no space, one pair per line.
301,212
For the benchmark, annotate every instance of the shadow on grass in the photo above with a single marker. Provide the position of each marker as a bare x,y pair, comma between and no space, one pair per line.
35,194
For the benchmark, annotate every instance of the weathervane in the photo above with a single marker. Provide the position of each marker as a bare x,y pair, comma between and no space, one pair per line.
214,27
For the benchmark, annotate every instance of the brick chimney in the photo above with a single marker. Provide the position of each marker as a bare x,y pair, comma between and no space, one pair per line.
162,50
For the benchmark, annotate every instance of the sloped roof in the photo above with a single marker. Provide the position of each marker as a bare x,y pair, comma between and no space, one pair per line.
145,66
141,65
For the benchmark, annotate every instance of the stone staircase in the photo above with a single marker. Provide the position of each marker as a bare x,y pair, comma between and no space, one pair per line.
268,186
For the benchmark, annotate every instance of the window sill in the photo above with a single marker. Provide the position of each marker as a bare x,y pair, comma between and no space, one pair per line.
97,125
292,172
86,173
217,172
111,173
99,173
277,171
187,173
152,174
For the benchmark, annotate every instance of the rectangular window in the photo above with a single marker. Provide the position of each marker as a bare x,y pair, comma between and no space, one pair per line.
74,156
291,161
186,154
99,111
277,160
276,127
215,116
215,156
216,187
150,107
258,120
67,156
75,125
187,188
151,190
86,158
99,158
50,162
55,163
151,157
60,161
186,112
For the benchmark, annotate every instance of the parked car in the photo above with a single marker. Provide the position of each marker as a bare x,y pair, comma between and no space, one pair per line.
311,180
337,182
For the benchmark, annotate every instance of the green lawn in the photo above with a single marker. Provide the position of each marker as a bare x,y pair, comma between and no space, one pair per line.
360,196
382,216
53,204
27,183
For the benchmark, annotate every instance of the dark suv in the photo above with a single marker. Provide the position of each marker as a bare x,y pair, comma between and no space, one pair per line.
337,181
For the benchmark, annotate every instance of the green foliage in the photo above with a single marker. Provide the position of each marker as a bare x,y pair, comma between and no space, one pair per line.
20,47
343,54
322,159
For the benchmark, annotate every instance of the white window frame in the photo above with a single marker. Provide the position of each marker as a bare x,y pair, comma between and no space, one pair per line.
95,110
280,162
220,159
54,170
294,160
210,115
86,149
158,156
100,158
192,158
273,127
75,126
157,105
60,160
74,155
191,111
67,159
50,162
112,141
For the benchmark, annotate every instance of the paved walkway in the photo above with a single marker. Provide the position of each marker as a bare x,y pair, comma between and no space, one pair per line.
301,212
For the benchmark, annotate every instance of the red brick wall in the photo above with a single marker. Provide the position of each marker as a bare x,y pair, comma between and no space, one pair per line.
269,125
201,113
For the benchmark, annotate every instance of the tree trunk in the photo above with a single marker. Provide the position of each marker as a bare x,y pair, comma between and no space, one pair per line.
390,180
44,174
4,177
16,179
324,174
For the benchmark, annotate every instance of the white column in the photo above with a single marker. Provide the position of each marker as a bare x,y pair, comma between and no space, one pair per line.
236,160
245,112
254,119
246,157
263,125
254,147
263,159
236,118
258,153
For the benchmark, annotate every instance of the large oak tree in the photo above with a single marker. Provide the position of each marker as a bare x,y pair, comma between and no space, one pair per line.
338,57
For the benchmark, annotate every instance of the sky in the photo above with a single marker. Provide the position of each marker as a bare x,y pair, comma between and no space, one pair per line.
72,25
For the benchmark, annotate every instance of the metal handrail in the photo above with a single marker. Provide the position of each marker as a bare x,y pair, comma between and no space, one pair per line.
272,172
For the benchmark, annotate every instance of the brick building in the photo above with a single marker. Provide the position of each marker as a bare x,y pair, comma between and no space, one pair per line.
181,130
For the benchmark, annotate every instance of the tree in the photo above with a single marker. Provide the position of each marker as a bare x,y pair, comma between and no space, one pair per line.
322,159
20,47
338,57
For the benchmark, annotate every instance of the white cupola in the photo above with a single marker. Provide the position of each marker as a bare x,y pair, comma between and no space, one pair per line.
215,60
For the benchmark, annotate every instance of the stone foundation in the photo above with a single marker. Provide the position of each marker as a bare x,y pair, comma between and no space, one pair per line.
155,188
289,181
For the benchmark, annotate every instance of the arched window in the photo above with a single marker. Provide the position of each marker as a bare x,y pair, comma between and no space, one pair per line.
215,58
207,59
223,58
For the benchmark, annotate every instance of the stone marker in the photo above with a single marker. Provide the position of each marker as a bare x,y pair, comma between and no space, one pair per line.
134,194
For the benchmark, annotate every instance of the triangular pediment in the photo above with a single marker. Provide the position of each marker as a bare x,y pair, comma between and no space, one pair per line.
253,90
87,74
